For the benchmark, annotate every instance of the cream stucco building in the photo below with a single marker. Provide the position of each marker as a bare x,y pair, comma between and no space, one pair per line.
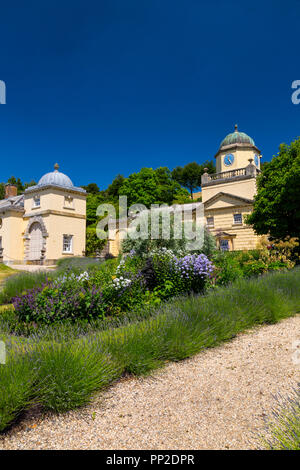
228,194
45,223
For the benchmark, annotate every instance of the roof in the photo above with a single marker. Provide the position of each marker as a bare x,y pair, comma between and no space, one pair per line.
237,137
15,203
233,196
55,179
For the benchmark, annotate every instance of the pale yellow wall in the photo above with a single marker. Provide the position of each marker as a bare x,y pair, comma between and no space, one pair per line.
12,236
59,225
245,238
241,159
244,188
54,199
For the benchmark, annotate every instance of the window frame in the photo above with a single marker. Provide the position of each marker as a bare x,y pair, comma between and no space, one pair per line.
213,221
227,244
70,237
35,199
241,216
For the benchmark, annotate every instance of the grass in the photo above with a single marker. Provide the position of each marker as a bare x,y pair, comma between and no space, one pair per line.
78,263
5,272
284,429
21,281
65,365
14,283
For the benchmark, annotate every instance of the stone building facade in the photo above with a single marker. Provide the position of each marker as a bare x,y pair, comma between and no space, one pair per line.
227,195
45,223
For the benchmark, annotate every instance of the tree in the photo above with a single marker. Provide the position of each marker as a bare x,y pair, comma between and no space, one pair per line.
94,245
2,191
276,210
114,188
16,182
150,187
189,176
91,188
31,183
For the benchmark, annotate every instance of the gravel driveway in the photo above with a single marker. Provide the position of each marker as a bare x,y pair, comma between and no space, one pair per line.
216,400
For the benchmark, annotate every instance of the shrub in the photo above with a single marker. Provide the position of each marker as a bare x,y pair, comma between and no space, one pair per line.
64,374
70,373
60,300
283,431
94,245
179,246
17,379
18,283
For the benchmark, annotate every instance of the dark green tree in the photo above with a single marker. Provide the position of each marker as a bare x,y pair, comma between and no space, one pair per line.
2,191
91,188
276,209
114,188
189,176
31,183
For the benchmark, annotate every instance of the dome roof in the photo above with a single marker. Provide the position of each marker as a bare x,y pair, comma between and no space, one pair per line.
237,138
56,178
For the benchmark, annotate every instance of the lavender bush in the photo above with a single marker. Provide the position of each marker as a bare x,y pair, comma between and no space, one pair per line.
59,301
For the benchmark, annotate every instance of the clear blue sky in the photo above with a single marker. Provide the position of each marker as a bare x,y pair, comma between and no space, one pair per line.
107,87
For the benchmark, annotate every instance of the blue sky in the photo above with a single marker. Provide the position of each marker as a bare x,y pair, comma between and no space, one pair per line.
107,87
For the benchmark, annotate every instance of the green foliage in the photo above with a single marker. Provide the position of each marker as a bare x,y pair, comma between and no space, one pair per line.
94,245
16,284
17,378
277,203
150,187
283,430
70,373
189,176
235,265
178,245
91,188
113,190
2,191
64,373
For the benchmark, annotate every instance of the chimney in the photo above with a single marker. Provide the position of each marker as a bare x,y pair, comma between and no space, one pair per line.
10,190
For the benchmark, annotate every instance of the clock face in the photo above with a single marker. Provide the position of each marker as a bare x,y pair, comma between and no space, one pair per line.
228,159
256,160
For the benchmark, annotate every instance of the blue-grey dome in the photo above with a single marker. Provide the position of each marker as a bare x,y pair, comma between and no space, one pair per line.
237,138
57,178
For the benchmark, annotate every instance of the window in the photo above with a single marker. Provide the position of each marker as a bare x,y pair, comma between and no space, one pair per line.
69,202
210,221
224,245
67,243
36,201
237,219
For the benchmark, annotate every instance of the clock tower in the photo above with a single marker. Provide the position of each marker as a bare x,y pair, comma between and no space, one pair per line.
228,195
235,151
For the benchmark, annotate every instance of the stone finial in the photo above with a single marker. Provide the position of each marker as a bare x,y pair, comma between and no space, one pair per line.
56,166
205,170
250,160
236,128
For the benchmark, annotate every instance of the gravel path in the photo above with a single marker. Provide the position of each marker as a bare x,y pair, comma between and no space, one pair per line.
216,400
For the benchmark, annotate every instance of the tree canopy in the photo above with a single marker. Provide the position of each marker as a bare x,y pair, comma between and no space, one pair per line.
276,209
189,176
150,186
